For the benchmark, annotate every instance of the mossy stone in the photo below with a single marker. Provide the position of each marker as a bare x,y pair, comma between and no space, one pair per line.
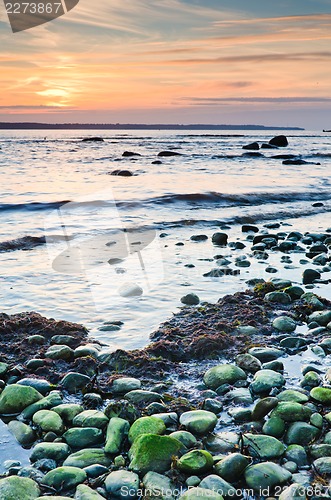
88,456
64,478
291,412
223,374
48,420
53,451
18,488
274,426
232,467
68,411
14,398
153,452
301,433
146,425
117,432
53,399
263,447
195,462
293,396
84,492
90,418
265,380
322,395
81,437
198,421
266,475
22,432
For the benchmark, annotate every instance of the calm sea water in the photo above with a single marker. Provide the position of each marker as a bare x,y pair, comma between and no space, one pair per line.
107,235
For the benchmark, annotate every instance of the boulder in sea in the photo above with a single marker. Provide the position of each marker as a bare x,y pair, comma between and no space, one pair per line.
169,153
220,239
309,276
191,299
122,173
279,140
252,145
128,154
92,139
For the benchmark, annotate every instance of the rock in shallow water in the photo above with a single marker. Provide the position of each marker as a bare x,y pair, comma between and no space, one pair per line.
14,398
266,475
223,374
198,421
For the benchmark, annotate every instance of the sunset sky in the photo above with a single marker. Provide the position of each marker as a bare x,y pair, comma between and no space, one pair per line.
172,61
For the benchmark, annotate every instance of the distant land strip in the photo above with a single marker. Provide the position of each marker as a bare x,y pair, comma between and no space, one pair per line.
131,126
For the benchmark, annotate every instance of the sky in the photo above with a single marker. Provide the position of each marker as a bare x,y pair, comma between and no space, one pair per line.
172,61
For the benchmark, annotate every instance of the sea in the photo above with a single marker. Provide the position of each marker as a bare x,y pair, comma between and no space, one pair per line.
115,252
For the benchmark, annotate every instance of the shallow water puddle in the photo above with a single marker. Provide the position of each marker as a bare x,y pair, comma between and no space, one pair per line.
10,449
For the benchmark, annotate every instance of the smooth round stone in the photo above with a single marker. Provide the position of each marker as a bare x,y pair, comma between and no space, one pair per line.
240,414
146,425
191,299
263,447
291,466
322,395
53,399
263,407
117,432
68,411
323,466
198,421
186,438
246,330
265,354
125,384
22,432
121,481
86,350
296,453
86,457
195,462
284,324
64,478
295,292
311,379
278,297
321,317
248,362
18,488
161,485
14,398
232,467
293,343
140,396
74,382
59,352
320,450
222,442
223,374
48,420
198,493
274,426
193,481
293,396
36,339
92,400
213,405
68,340
78,437
90,418
291,411
266,475
265,380
34,363
301,433
41,385
216,483
169,419
53,451
84,492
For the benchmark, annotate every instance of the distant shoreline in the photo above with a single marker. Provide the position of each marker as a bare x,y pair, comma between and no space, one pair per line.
131,126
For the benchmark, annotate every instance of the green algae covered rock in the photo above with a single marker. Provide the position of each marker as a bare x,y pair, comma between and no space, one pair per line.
86,457
68,411
223,374
291,412
84,492
195,462
18,488
119,483
265,380
146,425
53,399
48,421
117,431
64,478
81,437
53,451
301,433
90,418
266,475
263,447
151,452
232,466
14,398
22,432
322,395
198,421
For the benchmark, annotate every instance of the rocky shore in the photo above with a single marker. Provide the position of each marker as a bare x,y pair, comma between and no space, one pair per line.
212,407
